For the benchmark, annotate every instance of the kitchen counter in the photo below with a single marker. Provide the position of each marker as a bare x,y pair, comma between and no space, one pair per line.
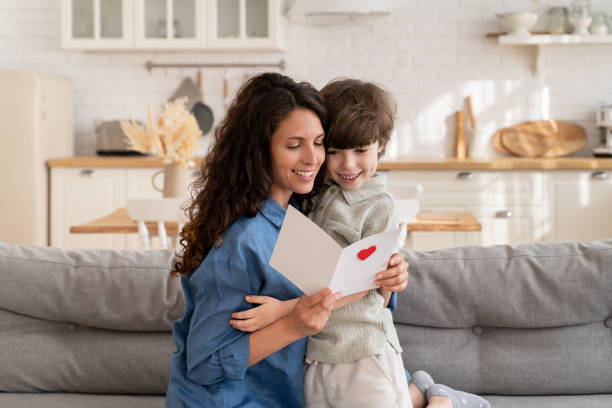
499,163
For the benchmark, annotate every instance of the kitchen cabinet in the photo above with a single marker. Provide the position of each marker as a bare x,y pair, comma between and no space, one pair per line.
96,24
507,204
582,205
172,24
245,24
83,194
78,195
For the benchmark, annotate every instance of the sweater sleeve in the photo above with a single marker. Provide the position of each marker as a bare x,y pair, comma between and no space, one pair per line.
215,350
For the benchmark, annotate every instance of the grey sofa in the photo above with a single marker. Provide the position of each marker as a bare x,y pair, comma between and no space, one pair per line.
526,326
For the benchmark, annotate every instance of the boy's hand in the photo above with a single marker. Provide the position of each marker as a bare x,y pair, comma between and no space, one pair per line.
271,310
395,277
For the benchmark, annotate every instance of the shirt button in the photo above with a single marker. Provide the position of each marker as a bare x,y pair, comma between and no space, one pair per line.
477,330
332,190
321,208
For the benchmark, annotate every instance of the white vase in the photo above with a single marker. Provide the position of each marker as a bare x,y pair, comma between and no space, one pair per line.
175,181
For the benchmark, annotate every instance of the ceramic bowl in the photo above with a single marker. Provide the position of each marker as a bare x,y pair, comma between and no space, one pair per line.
518,23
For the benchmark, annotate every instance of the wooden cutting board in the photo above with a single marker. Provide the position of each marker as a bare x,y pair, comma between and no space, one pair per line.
542,138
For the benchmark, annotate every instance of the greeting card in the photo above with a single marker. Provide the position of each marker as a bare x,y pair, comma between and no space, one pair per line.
312,260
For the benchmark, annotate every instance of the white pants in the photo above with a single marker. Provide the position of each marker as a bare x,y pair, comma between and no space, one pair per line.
372,382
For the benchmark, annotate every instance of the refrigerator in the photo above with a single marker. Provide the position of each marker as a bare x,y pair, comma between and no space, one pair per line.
37,124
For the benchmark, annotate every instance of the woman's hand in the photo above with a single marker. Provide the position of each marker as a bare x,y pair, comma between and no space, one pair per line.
395,277
271,310
311,312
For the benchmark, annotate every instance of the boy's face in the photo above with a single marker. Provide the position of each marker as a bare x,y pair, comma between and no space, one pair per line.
350,168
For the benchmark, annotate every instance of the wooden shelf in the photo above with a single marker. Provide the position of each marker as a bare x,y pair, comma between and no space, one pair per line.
538,40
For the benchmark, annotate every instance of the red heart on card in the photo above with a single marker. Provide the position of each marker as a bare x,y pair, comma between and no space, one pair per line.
365,253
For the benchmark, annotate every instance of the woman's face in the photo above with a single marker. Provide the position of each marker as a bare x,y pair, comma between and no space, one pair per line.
297,153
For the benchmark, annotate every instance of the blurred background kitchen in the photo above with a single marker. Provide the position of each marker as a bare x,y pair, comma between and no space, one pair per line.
431,54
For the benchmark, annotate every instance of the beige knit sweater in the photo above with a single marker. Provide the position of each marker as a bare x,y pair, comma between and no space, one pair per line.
360,329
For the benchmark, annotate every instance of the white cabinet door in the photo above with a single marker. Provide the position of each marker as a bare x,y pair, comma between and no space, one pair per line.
96,24
170,24
245,24
79,195
510,225
511,206
582,205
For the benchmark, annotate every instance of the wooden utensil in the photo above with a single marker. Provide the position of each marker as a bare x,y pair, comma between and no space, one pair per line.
460,146
542,138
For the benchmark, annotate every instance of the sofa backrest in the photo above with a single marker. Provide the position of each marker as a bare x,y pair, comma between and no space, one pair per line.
532,319
88,321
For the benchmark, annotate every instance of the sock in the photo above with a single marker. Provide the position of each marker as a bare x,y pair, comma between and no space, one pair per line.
423,381
459,399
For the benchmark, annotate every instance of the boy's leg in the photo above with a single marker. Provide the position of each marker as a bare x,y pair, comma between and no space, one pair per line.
375,381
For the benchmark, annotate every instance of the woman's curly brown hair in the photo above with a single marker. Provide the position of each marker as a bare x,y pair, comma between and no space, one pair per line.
237,173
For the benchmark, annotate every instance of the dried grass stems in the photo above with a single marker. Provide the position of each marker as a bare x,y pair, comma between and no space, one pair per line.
171,138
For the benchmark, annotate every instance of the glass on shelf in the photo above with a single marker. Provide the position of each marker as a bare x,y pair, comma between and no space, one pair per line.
155,19
557,20
580,16
184,19
599,26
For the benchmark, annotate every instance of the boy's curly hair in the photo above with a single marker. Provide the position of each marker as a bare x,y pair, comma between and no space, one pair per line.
358,113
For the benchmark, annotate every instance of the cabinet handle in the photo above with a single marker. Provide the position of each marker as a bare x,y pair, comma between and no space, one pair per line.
599,175
503,214
87,173
465,175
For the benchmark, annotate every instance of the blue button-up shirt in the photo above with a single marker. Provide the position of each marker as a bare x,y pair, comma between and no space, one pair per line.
209,368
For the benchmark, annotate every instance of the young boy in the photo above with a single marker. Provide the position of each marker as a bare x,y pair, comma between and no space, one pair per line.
355,361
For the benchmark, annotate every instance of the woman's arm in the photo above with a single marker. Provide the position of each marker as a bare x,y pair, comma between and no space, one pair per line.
307,318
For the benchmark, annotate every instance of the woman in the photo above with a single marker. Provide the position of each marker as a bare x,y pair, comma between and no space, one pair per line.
269,147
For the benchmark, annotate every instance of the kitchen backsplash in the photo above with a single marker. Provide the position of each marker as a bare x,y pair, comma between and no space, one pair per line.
430,53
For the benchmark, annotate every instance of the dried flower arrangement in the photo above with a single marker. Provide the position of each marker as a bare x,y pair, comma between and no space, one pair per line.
171,138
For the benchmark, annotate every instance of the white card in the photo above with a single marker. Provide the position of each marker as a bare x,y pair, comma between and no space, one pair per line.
312,260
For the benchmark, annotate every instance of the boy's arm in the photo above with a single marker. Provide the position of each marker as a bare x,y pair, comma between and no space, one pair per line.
269,311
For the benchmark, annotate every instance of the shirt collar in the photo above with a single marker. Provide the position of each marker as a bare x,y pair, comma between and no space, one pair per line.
274,212
375,185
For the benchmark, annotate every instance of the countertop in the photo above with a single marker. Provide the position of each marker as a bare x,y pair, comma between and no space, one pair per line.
498,163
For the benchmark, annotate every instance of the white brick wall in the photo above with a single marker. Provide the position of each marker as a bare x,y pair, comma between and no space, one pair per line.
430,53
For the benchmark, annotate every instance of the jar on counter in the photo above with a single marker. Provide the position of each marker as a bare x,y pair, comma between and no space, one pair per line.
558,22
599,26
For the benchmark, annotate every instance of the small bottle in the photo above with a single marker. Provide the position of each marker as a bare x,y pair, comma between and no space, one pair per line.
557,20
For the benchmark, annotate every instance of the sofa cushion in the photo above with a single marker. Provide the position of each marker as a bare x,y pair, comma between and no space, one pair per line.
120,290
44,356
49,400
556,401
525,320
